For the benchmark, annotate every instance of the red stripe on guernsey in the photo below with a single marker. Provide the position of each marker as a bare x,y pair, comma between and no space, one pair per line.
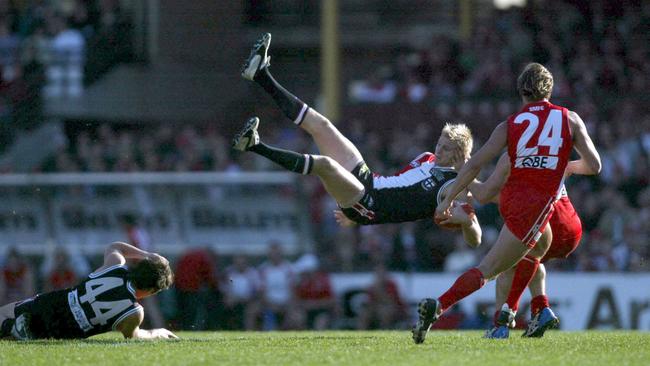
538,223
415,172
364,211
425,157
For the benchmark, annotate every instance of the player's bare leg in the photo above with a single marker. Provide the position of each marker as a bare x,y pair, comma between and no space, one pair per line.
328,138
542,317
344,187
503,286
508,248
537,285
504,318
522,275
499,259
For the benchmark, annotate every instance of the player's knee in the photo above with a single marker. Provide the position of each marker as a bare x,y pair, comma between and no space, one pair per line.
318,125
317,119
540,274
489,270
324,164
539,249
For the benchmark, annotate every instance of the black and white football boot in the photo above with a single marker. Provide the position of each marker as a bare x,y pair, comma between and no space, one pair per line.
258,58
427,315
248,136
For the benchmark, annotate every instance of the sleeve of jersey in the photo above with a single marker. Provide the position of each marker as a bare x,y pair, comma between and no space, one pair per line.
425,157
117,267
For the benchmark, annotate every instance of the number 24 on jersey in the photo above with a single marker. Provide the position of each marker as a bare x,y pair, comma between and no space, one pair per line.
551,136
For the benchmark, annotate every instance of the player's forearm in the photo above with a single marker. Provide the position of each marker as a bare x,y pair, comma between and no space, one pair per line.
584,145
581,167
142,334
465,176
481,192
128,251
472,233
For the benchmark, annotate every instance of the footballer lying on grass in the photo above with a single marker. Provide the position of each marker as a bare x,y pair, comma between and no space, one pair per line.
106,300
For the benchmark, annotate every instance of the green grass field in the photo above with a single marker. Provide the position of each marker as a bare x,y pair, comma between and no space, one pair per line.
337,348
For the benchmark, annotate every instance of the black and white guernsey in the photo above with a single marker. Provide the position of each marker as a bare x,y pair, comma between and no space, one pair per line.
410,195
96,305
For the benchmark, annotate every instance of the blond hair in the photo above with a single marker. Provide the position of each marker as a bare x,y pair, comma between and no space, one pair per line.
460,135
535,82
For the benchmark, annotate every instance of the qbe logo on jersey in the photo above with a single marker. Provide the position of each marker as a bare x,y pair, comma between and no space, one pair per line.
538,162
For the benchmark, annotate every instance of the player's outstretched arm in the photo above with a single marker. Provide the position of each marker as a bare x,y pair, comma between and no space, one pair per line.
488,191
472,232
463,214
119,252
130,328
470,170
589,163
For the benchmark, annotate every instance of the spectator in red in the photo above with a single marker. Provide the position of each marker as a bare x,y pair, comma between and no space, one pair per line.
314,301
384,308
16,278
198,299
61,274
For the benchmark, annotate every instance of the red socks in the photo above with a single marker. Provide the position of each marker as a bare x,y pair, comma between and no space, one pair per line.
466,284
524,272
538,303
473,280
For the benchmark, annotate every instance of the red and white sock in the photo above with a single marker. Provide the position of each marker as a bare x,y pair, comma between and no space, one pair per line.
524,272
466,284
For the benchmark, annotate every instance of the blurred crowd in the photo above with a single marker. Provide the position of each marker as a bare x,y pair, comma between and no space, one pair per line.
157,148
598,54
51,49
595,49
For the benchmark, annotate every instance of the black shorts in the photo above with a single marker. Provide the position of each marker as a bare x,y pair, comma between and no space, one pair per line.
359,212
50,316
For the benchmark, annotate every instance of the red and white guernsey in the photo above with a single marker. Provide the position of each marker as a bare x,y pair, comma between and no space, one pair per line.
539,146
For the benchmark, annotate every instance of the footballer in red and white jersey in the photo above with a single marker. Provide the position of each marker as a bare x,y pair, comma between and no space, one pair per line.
539,145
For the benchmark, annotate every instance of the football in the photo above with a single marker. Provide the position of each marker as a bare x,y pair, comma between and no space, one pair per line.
469,210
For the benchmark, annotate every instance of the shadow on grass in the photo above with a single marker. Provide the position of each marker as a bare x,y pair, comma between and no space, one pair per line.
216,339
90,342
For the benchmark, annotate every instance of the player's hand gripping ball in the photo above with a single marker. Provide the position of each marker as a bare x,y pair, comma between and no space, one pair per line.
462,213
